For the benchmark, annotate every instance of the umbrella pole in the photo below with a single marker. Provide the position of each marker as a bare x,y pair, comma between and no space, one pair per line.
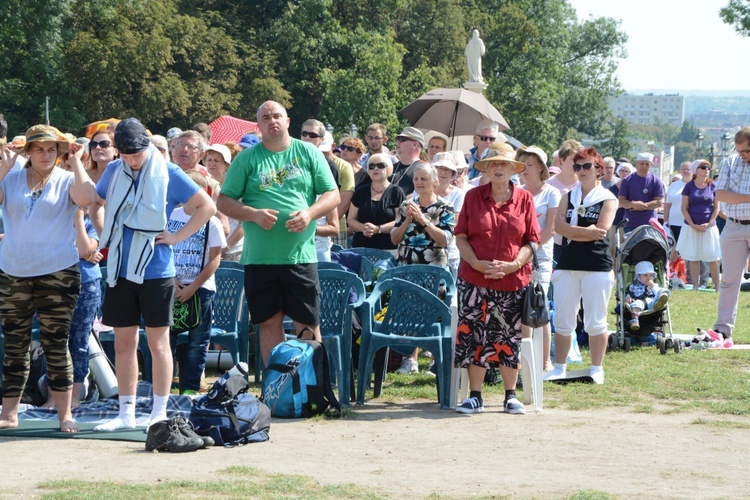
453,126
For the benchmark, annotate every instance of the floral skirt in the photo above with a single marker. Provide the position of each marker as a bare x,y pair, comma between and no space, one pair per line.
489,326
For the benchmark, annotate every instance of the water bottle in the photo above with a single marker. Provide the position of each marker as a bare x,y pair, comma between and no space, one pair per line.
218,387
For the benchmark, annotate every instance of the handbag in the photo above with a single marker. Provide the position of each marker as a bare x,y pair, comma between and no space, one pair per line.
535,308
187,315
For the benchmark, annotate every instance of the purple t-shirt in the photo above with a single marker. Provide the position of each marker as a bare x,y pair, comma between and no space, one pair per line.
637,188
700,201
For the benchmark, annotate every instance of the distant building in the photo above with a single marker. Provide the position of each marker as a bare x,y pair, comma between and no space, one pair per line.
649,108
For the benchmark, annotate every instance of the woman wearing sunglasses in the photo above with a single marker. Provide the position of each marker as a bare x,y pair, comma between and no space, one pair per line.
372,213
352,150
699,238
584,269
101,151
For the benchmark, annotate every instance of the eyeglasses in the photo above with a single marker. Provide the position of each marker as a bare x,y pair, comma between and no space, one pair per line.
311,135
189,147
371,138
348,148
102,144
403,139
485,138
373,166
577,167
706,167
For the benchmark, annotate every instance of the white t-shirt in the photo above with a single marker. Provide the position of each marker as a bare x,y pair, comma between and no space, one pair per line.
548,197
234,224
323,244
674,196
563,189
187,254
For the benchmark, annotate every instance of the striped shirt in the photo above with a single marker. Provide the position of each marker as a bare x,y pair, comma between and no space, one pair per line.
735,177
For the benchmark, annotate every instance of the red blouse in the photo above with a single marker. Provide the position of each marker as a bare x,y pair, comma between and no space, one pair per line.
497,233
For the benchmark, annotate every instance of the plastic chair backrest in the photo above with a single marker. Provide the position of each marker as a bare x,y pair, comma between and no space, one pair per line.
412,310
228,299
426,276
229,264
374,255
331,266
335,299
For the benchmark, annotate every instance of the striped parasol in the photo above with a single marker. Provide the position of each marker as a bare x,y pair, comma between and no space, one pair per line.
228,128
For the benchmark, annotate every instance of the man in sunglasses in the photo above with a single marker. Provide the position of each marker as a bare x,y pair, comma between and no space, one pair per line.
375,138
409,144
279,188
641,193
487,133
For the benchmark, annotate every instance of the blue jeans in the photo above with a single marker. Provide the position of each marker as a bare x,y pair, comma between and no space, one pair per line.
192,366
80,327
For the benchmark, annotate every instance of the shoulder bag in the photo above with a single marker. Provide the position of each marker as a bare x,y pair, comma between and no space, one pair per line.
535,308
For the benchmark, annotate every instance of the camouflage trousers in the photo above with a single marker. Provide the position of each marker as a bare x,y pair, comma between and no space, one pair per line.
53,297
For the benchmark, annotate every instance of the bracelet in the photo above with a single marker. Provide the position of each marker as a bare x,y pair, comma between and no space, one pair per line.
91,256
378,229
518,264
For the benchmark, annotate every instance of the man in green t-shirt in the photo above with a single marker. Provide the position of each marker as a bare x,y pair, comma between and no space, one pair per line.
272,188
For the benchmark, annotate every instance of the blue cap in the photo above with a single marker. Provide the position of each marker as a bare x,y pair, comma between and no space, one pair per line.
249,140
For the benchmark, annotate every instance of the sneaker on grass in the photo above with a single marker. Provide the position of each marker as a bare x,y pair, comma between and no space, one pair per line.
470,405
408,367
514,406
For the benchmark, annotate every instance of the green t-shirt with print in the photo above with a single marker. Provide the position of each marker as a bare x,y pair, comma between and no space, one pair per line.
287,181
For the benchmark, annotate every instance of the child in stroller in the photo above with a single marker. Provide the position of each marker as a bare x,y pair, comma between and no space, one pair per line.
644,294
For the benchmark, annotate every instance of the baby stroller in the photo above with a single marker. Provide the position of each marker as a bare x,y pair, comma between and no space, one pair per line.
643,243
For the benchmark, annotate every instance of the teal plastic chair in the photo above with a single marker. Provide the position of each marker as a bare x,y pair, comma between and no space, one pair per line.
230,285
336,307
374,255
409,322
428,277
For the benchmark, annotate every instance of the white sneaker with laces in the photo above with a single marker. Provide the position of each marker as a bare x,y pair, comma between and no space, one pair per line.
408,367
470,405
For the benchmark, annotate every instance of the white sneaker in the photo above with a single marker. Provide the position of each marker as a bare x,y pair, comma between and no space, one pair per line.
597,377
408,367
557,373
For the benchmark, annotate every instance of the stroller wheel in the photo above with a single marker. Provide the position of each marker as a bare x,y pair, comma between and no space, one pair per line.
613,342
677,347
626,344
661,343
668,343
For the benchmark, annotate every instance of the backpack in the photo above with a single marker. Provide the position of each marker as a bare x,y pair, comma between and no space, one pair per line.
229,415
297,382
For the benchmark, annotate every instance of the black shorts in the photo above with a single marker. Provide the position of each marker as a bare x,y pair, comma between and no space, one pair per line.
292,289
127,302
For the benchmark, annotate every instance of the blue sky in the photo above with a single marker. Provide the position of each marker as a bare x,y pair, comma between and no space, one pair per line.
675,44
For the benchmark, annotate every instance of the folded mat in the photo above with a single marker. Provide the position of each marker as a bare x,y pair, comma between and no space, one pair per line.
45,429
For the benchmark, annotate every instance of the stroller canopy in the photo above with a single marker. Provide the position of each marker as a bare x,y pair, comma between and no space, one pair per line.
643,243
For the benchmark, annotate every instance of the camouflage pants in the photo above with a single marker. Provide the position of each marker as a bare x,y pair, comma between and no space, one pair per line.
53,297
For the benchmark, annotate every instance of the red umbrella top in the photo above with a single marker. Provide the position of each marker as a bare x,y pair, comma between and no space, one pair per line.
228,128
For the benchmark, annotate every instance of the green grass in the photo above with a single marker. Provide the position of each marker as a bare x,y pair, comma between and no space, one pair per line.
234,482
641,380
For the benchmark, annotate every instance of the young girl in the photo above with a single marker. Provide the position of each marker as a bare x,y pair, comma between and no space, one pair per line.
643,293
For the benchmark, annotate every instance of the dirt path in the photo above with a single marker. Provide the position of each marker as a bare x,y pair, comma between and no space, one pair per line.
416,449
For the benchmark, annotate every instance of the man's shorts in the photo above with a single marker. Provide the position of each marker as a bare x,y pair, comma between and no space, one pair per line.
127,302
292,289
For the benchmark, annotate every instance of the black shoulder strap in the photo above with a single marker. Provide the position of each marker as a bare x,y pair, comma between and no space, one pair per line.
328,393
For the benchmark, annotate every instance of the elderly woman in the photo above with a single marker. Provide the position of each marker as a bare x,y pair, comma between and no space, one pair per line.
584,270
218,158
497,224
700,236
39,263
424,223
372,213
352,150
546,201
623,170
447,170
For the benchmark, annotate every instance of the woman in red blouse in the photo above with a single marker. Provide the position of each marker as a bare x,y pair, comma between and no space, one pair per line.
495,228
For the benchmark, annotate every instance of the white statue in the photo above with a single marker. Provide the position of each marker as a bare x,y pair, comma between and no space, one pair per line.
474,52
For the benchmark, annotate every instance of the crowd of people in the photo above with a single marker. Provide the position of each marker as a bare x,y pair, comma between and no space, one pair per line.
153,216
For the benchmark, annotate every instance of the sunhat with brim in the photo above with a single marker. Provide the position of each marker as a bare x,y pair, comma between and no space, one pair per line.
223,151
540,154
500,152
19,141
446,160
46,133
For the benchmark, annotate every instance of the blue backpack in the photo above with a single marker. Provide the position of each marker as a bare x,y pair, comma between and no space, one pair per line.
297,382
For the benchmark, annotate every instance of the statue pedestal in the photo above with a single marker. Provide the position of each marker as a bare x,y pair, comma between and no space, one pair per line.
477,87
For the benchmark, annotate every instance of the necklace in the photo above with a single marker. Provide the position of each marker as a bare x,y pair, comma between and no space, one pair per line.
36,190
375,190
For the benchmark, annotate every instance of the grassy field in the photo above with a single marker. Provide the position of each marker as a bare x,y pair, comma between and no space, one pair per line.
715,380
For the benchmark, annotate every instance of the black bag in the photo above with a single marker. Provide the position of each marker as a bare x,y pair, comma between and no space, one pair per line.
187,315
229,415
535,308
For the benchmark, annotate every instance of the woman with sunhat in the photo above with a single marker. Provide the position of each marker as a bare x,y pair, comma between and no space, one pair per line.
584,269
495,229
39,263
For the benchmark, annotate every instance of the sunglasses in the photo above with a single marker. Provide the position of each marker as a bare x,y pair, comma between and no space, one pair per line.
403,139
373,166
311,135
348,148
485,138
706,167
102,144
586,166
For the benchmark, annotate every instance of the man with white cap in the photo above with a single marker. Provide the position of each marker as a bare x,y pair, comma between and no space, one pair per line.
410,143
641,194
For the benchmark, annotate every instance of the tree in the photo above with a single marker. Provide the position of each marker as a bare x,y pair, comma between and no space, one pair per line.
617,144
684,151
737,13
687,132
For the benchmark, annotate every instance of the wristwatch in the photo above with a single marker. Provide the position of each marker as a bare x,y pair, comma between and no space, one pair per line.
428,223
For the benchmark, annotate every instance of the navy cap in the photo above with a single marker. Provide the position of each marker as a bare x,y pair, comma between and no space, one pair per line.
131,137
